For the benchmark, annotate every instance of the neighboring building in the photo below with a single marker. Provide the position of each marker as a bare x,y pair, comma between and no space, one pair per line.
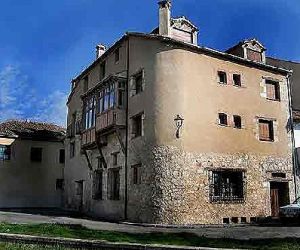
127,158
31,165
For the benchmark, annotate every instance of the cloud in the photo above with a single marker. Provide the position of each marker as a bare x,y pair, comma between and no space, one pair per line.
19,100
53,108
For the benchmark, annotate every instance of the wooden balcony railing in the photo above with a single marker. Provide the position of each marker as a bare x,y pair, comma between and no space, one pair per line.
105,123
109,119
88,137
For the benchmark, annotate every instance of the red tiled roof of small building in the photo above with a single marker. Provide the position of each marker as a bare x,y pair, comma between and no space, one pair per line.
31,129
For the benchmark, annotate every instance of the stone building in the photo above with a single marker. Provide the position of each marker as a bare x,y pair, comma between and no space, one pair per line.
162,130
31,165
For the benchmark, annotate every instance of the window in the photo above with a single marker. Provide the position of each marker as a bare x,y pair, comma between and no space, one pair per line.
266,131
98,185
222,77
137,125
85,84
79,188
59,184
111,96
90,115
254,55
101,163
61,156
100,102
227,186
72,149
138,83
117,55
106,98
237,80
121,94
114,184
273,92
102,70
136,174
223,119
115,158
237,121
5,152
36,154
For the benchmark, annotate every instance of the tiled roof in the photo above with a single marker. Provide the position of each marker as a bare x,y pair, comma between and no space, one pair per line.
31,130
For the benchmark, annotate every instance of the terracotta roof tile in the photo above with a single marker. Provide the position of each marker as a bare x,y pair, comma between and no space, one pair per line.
30,129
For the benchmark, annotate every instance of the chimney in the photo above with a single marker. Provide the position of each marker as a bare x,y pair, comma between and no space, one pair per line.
100,50
164,17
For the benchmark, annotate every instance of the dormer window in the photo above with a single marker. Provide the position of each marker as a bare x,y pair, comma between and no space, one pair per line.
254,55
249,49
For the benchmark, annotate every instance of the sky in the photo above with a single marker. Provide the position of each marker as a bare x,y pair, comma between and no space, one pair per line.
44,44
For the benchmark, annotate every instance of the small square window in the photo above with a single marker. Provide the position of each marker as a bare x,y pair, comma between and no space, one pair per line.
36,154
137,125
117,55
273,90
5,152
61,156
237,80
237,121
266,130
223,119
222,77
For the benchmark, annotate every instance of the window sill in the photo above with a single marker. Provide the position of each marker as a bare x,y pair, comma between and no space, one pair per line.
274,100
238,128
237,86
266,140
228,202
223,125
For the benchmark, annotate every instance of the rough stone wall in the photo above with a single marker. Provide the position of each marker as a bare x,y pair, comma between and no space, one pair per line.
181,185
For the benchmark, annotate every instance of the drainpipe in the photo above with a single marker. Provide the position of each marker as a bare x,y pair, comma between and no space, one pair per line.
127,130
294,155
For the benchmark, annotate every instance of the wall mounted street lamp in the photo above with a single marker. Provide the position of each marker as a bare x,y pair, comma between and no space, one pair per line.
179,122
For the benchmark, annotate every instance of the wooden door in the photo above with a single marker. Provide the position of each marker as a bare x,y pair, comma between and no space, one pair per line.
274,203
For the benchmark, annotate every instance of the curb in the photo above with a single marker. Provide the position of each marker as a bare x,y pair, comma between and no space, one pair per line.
90,244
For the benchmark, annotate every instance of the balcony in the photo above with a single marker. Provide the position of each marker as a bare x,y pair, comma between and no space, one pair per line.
110,120
88,138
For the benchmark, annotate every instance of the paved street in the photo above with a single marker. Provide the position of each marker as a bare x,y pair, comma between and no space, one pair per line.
238,232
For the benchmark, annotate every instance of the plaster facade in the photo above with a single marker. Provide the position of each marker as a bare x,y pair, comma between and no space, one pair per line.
175,173
27,184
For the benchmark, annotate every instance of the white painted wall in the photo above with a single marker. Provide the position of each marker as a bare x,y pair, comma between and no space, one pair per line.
30,184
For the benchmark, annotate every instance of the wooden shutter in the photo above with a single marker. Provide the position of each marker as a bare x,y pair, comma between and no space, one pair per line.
271,91
264,130
254,55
